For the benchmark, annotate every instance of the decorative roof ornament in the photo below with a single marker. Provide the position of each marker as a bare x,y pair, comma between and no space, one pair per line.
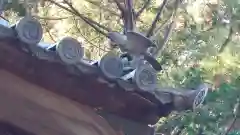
139,67
29,30
144,76
111,66
137,43
70,50
133,42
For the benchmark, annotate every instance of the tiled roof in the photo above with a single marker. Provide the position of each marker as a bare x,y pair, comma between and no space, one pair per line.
85,82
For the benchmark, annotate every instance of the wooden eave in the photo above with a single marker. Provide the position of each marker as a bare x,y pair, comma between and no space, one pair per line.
84,88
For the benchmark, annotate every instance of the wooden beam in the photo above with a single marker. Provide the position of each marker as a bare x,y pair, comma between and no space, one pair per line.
41,112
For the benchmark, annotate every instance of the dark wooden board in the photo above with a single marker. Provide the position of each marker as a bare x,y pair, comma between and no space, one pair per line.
40,112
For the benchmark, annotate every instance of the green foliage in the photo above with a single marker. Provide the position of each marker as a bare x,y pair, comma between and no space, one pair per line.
17,7
235,133
216,112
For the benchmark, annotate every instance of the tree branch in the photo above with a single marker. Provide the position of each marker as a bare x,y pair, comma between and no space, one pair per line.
150,32
85,19
48,31
85,38
120,6
226,42
158,29
51,18
146,4
165,39
123,14
47,27
105,8
128,16
235,112
168,31
111,11
231,126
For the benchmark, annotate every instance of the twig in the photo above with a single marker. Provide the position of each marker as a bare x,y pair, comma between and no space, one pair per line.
85,19
168,31
231,126
124,15
100,19
86,39
158,30
51,18
165,39
146,4
49,33
47,28
120,6
150,32
235,111
166,36
105,8
110,11
226,42
4,18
